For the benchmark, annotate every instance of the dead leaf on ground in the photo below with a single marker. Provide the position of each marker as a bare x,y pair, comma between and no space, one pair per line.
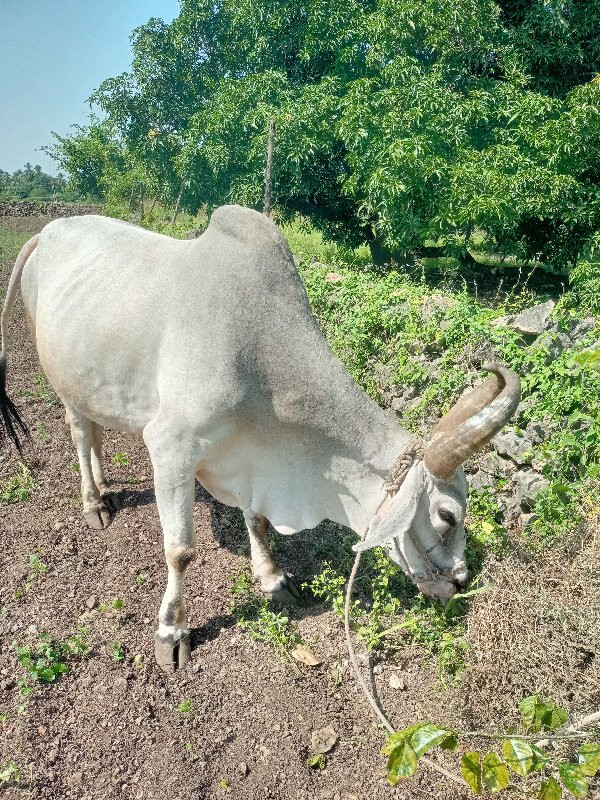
305,656
323,740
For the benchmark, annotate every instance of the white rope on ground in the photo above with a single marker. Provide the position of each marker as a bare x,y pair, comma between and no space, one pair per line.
398,473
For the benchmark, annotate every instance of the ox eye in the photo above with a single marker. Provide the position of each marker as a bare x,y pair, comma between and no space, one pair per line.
447,516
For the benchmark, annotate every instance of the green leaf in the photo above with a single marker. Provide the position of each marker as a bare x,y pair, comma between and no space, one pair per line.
402,763
589,758
573,778
396,738
450,742
540,759
530,708
470,769
553,717
550,790
426,737
519,755
495,773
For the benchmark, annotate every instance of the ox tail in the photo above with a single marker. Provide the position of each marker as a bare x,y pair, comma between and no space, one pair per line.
12,425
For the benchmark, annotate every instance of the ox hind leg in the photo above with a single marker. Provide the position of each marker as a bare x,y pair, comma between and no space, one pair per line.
273,582
99,503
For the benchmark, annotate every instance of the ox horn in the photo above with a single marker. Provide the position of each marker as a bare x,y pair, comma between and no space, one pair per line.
473,421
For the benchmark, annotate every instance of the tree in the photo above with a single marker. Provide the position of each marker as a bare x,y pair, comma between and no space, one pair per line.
402,123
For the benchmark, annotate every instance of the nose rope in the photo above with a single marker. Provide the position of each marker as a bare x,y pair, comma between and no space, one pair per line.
396,476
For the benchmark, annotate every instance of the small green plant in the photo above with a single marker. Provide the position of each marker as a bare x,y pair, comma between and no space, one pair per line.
121,460
184,707
42,431
141,578
41,391
38,568
18,486
253,613
317,761
49,657
75,468
523,754
10,773
118,653
117,603
224,784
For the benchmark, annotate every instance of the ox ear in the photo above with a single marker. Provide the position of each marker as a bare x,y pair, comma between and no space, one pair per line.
396,514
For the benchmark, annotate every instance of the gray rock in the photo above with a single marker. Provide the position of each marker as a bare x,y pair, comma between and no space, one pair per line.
552,343
513,445
533,321
528,486
527,520
538,431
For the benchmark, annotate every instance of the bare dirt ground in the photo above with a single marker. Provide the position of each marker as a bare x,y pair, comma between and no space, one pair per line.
111,729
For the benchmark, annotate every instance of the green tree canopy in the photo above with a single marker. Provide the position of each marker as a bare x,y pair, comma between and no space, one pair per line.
398,123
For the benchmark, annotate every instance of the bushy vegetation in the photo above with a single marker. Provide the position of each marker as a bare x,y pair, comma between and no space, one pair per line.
409,126
32,183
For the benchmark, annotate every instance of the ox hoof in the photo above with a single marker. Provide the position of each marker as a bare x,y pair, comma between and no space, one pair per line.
111,501
285,592
171,653
97,517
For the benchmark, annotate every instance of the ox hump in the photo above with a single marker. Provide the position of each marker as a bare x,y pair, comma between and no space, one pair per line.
248,227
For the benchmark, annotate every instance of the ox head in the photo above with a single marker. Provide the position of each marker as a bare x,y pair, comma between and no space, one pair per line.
422,525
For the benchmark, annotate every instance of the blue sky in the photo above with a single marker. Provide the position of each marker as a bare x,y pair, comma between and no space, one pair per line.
53,55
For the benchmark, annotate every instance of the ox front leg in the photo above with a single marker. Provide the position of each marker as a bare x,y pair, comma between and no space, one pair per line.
273,582
174,488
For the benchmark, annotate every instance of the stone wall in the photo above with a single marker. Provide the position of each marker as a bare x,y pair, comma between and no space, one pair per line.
45,208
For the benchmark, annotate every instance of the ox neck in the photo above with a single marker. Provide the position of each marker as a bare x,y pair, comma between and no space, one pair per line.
366,479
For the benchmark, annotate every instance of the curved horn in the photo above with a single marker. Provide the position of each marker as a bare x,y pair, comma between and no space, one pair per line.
473,421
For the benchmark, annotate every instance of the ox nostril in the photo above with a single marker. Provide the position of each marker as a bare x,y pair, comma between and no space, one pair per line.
460,576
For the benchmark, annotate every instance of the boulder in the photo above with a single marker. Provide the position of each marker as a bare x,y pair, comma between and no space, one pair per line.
513,445
527,486
533,321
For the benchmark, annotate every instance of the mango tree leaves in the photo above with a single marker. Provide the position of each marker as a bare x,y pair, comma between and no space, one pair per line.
402,763
470,769
519,755
495,773
550,790
589,758
405,747
536,715
427,736
573,778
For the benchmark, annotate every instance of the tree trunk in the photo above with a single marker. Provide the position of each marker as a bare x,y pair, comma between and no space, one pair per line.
269,168
179,196
380,254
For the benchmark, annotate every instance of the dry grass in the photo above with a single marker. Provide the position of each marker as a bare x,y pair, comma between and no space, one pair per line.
537,632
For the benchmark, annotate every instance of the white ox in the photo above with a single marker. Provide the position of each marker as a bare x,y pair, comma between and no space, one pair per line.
208,349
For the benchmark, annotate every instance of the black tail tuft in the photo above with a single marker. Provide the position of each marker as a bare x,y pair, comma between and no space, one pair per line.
11,419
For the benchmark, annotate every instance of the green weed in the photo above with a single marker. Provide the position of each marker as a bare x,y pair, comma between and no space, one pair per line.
18,484
10,773
48,658
121,460
41,391
184,707
253,613
41,431
118,653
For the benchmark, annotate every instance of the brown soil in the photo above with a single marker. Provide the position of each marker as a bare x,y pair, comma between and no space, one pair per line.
111,729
